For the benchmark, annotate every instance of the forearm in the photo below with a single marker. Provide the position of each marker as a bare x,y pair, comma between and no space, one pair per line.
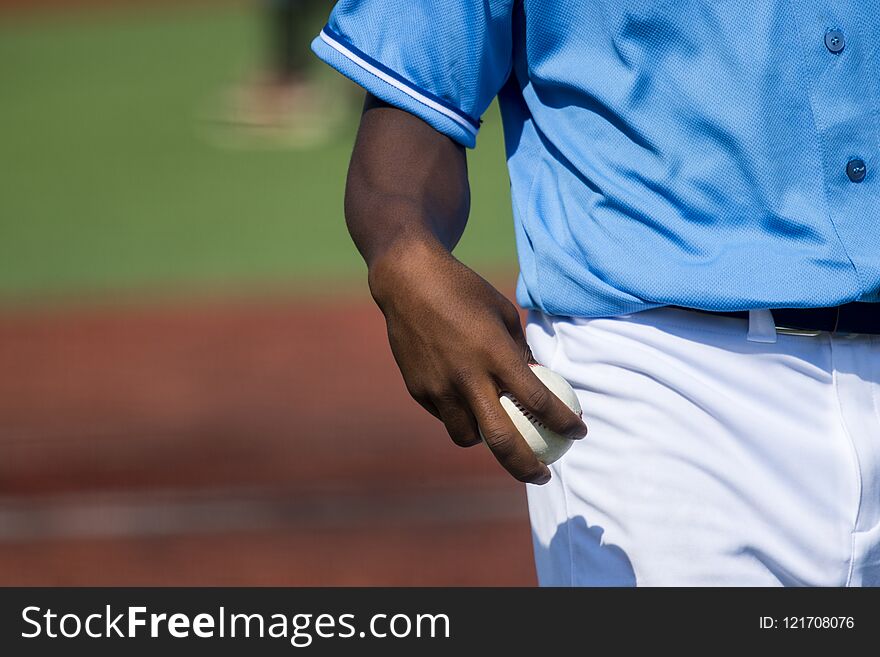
457,340
407,187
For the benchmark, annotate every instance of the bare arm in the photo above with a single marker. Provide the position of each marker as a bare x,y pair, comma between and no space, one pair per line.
457,340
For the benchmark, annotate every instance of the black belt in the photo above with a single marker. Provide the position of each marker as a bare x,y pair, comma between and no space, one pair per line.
856,317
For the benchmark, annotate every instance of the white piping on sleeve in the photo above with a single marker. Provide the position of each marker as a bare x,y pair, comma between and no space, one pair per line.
397,84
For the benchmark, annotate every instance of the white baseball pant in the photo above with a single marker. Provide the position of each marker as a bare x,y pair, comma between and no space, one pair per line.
718,453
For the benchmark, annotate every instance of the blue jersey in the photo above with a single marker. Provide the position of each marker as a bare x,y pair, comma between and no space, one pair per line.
715,154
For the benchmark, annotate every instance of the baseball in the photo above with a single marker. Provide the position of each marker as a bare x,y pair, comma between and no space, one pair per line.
547,445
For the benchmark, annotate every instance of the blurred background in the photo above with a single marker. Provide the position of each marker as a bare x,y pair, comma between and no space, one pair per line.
194,385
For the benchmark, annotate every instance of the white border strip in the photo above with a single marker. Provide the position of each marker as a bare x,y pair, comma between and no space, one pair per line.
412,93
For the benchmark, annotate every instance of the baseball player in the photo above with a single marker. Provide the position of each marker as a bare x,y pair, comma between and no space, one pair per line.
280,104
697,215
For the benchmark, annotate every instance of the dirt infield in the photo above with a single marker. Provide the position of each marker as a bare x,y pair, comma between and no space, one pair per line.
235,443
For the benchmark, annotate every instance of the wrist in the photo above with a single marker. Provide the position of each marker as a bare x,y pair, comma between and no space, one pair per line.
403,261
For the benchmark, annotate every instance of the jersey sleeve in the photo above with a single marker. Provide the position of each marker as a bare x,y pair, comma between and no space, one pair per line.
443,61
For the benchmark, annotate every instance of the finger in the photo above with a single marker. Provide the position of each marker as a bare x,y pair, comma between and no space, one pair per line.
423,399
518,379
460,423
508,446
514,327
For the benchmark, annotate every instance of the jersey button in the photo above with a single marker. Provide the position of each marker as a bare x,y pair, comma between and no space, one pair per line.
834,41
856,170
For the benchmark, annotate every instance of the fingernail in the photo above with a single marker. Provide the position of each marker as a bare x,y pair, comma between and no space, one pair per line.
579,432
545,477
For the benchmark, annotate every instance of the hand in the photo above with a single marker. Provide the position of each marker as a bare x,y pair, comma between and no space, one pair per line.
459,344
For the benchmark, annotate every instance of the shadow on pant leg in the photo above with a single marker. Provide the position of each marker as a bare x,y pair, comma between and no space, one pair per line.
577,556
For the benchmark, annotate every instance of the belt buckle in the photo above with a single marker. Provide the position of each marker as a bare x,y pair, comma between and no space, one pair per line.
787,330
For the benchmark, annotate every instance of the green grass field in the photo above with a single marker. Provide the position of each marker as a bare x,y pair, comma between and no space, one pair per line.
108,183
